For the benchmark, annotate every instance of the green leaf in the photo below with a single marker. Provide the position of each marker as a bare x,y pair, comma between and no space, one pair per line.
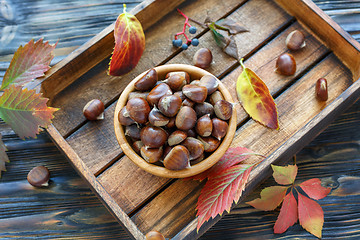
256,99
29,62
25,111
3,156
221,191
284,175
270,198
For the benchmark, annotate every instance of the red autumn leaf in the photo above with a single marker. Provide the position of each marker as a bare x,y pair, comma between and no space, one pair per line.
256,99
284,175
231,157
311,215
221,191
313,189
288,215
129,44
29,62
270,198
25,111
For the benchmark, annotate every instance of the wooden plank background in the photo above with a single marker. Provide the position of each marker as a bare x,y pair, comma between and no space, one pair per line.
68,209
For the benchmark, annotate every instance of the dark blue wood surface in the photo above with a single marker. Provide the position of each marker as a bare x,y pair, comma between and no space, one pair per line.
69,210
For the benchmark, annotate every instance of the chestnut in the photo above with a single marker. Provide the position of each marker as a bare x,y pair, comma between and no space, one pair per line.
182,74
204,126
186,118
176,137
133,131
204,108
210,143
156,118
171,123
175,82
169,105
223,109
137,145
286,64
321,89
151,155
295,40
94,110
210,82
202,58
39,176
180,94
219,129
195,82
153,137
177,158
138,109
148,81
154,235
166,151
188,102
191,133
216,96
195,93
157,92
124,117
195,147
138,94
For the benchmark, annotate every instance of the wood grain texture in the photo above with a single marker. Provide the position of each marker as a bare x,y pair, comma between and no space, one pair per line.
75,222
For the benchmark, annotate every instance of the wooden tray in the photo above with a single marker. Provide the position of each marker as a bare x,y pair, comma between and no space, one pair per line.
142,202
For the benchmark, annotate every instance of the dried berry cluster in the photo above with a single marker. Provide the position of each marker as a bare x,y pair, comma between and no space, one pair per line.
174,122
177,42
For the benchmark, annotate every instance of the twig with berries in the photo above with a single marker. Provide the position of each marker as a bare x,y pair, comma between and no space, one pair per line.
177,42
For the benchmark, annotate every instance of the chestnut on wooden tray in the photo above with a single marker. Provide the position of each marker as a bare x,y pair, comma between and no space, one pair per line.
177,136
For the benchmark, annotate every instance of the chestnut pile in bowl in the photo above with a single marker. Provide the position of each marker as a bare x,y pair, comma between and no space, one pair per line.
174,119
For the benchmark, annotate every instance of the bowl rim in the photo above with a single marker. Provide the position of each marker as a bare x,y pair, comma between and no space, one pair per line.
162,171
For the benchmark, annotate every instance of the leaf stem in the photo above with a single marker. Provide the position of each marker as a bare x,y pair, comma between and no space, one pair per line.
124,8
242,63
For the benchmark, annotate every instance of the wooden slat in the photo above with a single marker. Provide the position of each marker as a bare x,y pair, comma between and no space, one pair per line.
98,48
101,135
341,43
293,115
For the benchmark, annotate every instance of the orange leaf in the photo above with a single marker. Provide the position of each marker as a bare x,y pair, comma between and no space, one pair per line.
256,99
313,189
284,175
270,198
311,215
288,214
129,44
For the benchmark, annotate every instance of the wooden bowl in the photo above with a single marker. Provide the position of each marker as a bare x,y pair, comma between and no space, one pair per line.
195,73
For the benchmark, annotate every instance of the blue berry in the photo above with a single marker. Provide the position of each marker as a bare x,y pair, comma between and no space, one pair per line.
192,30
184,46
177,42
195,42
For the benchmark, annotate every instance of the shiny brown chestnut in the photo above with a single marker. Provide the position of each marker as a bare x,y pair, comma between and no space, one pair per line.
175,82
223,109
157,92
156,118
186,118
124,117
39,176
210,143
137,145
148,81
202,58
188,102
154,235
177,158
216,96
286,64
219,129
169,105
171,123
153,137
295,40
138,109
195,147
195,93
182,74
151,155
176,137
138,94
321,89
94,110
133,131
204,126
204,108
210,82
